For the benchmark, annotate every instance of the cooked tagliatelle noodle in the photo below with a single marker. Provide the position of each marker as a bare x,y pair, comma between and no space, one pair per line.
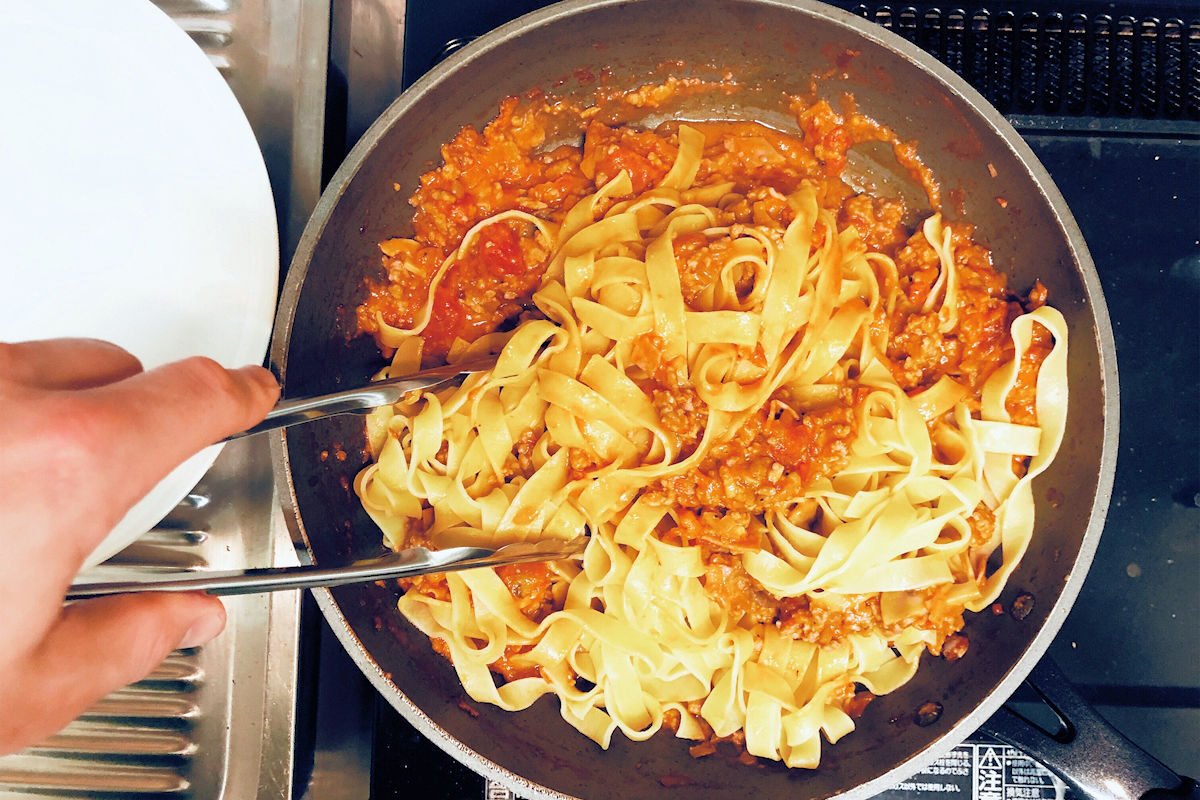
784,510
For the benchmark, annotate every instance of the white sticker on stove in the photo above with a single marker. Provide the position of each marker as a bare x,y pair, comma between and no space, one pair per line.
975,770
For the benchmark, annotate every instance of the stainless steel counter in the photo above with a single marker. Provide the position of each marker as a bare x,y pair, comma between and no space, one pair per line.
217,721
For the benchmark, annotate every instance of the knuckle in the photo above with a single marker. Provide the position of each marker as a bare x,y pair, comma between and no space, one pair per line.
65,450
209,377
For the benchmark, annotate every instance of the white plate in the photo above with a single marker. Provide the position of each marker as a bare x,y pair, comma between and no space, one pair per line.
135,206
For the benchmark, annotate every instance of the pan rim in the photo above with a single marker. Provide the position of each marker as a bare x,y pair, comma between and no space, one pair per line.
985,114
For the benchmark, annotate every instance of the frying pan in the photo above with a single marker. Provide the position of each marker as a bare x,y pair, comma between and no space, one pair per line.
768,45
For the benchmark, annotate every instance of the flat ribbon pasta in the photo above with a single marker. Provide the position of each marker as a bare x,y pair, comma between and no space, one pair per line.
637,638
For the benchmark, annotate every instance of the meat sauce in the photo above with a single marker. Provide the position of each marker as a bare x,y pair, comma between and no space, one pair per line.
775,453
531,585
768,461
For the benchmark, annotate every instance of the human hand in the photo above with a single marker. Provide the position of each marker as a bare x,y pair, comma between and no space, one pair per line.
84,434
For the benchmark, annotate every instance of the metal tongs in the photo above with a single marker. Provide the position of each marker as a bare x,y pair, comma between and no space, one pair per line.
361,400
404,564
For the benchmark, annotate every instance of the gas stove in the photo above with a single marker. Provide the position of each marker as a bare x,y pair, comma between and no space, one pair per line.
1108,96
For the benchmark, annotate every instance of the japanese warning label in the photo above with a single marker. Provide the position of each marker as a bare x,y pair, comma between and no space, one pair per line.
977,770
982,771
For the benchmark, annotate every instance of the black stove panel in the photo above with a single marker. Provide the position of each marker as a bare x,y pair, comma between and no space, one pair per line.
1130,641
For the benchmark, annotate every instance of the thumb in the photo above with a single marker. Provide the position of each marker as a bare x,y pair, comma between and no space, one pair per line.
96,647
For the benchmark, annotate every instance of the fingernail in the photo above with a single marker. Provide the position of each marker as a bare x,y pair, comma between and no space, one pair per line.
203,630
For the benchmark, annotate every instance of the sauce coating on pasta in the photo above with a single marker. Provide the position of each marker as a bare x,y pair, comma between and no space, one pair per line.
795,422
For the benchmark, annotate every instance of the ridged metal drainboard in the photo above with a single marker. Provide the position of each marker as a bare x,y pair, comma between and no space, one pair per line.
207,722
139,741
1133,61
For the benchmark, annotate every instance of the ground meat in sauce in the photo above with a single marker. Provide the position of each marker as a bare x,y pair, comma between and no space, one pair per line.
828,623
646,156
767,463
939,615
1020,402
983,525
726,580
879,221
919,353
775,453
700,259
484,173
531,585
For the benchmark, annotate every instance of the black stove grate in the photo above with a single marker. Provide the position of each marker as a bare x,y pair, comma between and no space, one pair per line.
1125,60
1064,62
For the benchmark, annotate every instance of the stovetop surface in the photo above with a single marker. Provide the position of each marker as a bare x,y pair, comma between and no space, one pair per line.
1130,642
